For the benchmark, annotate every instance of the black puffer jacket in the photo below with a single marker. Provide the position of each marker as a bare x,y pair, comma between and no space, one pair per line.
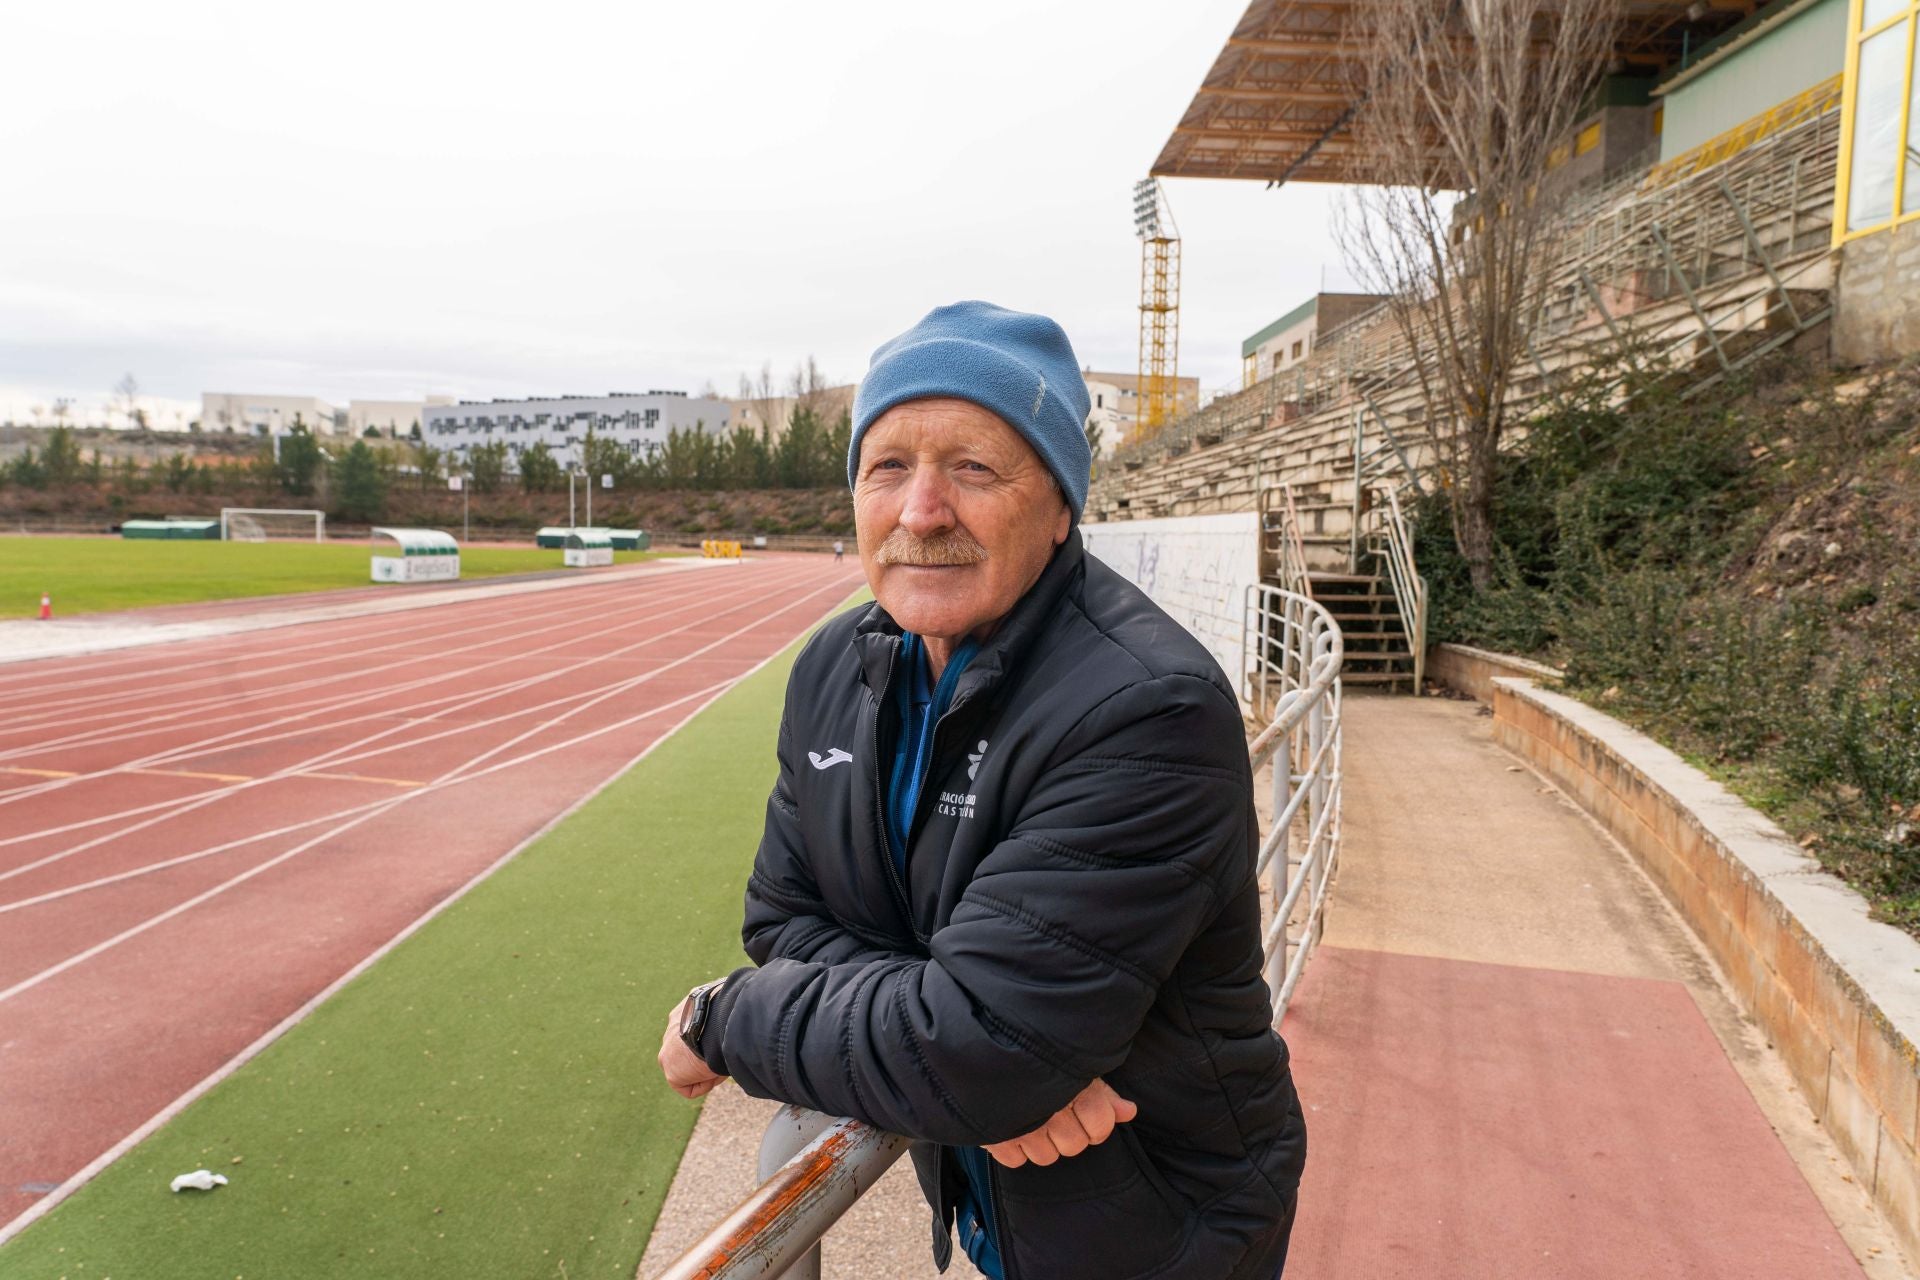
1079,902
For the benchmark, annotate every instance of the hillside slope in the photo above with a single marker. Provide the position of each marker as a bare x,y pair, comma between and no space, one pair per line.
1738,575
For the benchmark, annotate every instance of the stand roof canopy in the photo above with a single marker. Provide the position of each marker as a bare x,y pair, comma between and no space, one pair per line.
1279,103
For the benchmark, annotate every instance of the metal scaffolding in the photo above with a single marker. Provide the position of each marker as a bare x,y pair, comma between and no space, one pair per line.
1158,384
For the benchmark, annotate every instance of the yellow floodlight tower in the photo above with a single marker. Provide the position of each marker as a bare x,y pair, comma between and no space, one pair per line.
1159,307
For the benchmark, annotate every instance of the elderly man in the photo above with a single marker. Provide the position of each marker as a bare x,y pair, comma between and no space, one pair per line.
1004,904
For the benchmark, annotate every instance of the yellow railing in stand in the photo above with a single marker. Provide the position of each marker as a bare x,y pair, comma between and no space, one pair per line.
1821,98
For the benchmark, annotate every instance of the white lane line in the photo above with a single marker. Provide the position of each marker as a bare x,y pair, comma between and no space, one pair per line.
346,630
364,808
216,631
460,773
187,751
93,1167
180,808
361,777
180,805
386,695
338,649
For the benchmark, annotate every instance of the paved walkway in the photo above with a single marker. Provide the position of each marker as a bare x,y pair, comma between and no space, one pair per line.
1516,1060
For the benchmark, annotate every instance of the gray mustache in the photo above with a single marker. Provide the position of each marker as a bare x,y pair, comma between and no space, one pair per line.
953,547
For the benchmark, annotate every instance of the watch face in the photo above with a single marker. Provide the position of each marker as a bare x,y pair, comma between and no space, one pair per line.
694,1020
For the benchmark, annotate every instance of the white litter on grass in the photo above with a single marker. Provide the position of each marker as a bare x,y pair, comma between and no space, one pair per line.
200,1180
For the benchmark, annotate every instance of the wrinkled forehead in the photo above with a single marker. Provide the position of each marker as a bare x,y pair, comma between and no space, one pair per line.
945,424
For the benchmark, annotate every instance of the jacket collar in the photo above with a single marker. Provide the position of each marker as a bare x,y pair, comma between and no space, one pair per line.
876,637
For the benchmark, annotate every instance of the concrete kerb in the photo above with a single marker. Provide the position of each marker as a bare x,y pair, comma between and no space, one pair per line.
1472,671
1836,990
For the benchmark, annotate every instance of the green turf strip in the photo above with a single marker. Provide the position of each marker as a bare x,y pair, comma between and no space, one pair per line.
92,575
484,1101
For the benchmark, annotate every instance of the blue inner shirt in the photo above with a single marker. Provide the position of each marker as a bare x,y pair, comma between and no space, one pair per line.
922,702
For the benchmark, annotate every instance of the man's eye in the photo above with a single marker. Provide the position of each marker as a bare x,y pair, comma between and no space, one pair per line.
979,468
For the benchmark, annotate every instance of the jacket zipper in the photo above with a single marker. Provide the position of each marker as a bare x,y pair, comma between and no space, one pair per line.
879,809
933,751
995,1209
997,1227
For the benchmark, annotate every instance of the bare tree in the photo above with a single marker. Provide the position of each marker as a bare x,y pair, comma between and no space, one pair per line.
808,387
126,396
1479,98
763,395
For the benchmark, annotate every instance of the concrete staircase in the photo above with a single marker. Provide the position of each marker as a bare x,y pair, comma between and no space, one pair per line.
1378,651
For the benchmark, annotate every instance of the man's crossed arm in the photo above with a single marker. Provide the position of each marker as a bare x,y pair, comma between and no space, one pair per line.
1087,1121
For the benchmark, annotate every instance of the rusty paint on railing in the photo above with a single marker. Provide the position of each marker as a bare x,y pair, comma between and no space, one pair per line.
784,1218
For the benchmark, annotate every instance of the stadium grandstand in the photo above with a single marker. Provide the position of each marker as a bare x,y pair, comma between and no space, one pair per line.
1727,152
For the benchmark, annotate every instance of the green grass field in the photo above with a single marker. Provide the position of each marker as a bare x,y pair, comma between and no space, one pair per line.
94,575
484,1101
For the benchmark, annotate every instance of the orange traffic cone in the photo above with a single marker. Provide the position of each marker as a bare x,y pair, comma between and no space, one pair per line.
46,607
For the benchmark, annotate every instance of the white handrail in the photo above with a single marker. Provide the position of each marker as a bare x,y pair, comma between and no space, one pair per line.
1395,533
1297,650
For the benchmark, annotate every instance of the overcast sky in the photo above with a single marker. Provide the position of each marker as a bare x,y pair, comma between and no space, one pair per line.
389,200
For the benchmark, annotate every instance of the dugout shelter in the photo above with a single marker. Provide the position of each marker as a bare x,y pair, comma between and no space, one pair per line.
414,555
171,530
587,548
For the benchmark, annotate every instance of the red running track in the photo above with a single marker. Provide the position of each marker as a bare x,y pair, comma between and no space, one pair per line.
197,838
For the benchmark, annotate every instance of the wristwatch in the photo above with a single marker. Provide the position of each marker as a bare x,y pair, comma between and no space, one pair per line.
693,1017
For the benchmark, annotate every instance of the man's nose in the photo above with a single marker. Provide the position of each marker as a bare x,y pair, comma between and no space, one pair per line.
928,508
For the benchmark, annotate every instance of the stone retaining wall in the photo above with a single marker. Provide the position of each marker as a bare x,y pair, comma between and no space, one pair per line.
1473,671
1836,992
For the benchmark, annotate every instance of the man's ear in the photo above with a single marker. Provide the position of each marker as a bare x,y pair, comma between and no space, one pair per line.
1064,525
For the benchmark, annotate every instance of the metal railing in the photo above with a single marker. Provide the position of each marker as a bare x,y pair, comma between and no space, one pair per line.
813,1167
1283,551
1389,535
1294,669
1739,248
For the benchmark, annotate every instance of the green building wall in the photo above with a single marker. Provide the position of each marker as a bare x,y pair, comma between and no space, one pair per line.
1780,61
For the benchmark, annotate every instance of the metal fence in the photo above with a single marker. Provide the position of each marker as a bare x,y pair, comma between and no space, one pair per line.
1293,676
1388,534
813,1167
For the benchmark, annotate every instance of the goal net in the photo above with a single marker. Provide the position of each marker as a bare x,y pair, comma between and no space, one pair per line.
259,524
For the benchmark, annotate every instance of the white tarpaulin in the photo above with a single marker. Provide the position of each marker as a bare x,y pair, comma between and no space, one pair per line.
1197,568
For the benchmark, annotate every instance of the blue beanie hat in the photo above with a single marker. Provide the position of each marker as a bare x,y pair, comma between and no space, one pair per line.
1017,365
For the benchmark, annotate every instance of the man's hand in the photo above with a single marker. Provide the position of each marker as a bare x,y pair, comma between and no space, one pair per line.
684,1069
1085,1122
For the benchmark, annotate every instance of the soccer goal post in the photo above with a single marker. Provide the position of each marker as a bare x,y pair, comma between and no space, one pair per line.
258,524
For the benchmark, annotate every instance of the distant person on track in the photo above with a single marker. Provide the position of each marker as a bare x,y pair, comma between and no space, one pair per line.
839,550
1004,903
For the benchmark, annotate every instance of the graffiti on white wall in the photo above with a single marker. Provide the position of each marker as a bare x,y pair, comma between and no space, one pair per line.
1197,568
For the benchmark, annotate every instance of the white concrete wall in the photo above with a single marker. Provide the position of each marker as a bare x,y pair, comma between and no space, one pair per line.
1197,568
399,416
1115,425
248,414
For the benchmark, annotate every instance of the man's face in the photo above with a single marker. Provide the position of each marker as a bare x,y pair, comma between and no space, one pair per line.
955,513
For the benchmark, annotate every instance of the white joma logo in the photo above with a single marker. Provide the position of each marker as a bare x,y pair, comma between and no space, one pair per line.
833,757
